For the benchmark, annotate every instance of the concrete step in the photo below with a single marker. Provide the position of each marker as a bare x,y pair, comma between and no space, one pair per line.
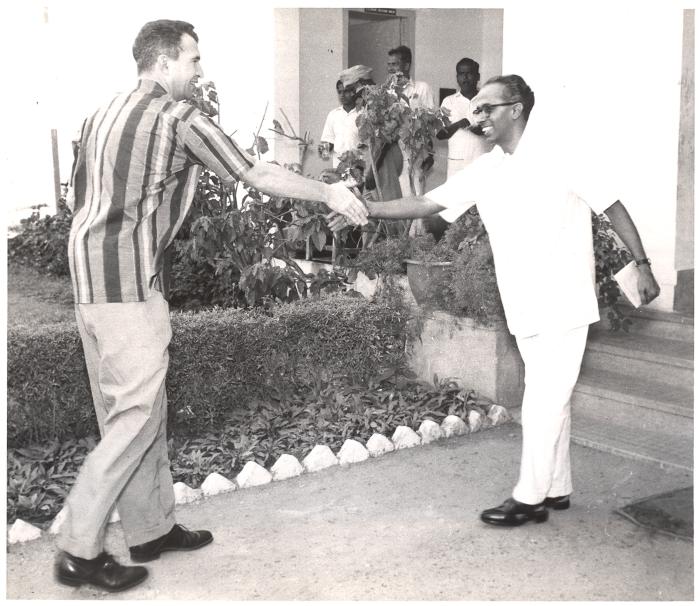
635,397
632,442
640,356
654,323
644,393
605,408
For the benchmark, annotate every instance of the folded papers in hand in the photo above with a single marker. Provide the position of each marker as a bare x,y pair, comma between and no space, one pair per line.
628,280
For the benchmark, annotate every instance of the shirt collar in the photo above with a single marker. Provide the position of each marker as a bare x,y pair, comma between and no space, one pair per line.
146,85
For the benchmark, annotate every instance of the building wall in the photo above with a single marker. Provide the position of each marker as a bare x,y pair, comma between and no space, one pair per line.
323,55
685,249
286,82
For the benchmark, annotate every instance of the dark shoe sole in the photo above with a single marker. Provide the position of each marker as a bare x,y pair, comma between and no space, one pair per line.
73,582
155,556
518,519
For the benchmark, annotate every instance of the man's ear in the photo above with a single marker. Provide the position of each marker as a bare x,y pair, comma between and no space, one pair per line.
517,110
162,63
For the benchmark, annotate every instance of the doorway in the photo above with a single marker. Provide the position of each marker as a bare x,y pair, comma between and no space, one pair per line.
372,32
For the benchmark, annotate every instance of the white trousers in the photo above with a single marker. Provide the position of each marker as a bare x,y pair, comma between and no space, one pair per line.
552,365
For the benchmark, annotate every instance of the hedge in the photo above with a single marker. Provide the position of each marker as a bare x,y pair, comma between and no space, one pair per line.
219,360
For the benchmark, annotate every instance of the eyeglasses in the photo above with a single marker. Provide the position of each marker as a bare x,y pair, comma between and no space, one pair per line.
487,108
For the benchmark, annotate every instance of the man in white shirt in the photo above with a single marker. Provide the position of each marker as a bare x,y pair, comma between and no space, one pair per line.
419,93
536,206
463,145
340,132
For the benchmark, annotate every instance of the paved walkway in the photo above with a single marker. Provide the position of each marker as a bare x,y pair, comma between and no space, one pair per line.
405,527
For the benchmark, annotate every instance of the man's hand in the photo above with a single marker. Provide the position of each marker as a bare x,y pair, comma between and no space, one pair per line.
336,222
647,287
343,201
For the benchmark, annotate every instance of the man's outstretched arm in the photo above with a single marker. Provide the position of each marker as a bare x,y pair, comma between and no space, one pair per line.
208,143
277,181
411,207
624,226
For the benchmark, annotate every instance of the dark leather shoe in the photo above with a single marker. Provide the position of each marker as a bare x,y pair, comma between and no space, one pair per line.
514,513
103,572
178,539
557,502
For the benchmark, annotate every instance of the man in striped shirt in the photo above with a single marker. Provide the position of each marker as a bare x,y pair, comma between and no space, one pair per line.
133,183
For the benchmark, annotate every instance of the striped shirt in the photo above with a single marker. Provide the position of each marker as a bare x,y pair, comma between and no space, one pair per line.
133,181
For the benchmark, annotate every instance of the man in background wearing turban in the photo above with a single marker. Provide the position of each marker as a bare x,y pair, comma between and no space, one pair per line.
340,130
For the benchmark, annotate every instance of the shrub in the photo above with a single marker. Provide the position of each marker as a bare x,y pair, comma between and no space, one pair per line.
221,360
42,242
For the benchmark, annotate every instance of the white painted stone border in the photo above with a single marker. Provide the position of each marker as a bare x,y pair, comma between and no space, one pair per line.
288,466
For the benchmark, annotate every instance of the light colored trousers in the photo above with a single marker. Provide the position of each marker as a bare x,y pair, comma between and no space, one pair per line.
552,365
126,353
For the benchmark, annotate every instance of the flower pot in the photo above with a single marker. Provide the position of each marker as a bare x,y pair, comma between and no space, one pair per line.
428,281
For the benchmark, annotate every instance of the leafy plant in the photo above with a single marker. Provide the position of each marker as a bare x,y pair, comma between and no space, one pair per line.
39,477
331,409
42,242
387,118
236,248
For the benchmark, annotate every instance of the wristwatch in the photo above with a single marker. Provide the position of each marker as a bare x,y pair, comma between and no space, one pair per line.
644,261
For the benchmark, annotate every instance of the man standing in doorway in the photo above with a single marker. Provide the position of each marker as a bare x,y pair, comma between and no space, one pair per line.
536,206
133,183
419,94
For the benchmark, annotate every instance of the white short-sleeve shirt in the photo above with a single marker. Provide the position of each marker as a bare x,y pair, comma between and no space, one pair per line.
540,231
419,94
463,146
340,129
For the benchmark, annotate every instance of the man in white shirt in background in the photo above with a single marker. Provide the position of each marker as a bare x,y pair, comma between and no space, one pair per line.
535,202
419,93
340,132
463,146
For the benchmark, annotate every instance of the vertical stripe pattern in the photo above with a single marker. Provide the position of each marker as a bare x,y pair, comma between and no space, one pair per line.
133,181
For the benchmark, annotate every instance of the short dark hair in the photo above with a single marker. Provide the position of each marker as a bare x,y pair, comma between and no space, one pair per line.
403,52
468,62
160,37
516,88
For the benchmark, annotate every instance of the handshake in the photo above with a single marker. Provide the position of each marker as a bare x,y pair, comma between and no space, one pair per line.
347,208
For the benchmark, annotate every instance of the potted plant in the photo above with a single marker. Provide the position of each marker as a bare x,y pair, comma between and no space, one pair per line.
386,121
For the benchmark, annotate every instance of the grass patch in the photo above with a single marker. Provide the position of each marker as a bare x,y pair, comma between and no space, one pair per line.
37,298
